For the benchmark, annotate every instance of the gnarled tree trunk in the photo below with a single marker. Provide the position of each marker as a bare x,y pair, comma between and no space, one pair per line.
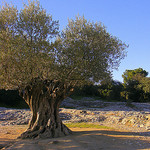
44,98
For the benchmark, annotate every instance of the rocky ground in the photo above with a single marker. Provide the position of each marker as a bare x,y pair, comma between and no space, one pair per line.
133,117
136,115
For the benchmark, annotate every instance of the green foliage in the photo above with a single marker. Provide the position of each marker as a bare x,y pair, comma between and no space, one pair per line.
87,52
83,53
86,90
145,84
110,90
25,48
133,75
136,85
11,98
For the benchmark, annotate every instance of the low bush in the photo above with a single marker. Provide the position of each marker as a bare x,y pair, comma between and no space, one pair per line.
11,98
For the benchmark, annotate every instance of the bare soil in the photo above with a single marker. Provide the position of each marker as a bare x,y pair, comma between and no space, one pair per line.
81,139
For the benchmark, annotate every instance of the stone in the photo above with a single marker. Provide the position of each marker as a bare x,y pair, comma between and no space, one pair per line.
112,113
100,118
148,128
147,117
141,126
124,121
83,112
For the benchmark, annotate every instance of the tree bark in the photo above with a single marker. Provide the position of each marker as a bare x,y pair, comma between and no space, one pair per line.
44,98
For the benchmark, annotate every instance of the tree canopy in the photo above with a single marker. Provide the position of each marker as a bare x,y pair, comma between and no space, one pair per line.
25,44
145,84
87,52
84,51
134,75
136,85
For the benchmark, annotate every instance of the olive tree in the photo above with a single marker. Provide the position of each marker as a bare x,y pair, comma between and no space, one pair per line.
46,68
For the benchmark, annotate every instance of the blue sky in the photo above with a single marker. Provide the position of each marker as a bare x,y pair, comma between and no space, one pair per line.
129,20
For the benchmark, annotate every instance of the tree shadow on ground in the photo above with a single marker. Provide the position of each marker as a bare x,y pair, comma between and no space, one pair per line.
6,143
88,139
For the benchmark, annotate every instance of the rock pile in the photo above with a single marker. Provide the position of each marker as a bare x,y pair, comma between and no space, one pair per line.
89,110
14,116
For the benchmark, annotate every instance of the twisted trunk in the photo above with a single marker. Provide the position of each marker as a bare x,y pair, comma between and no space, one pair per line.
44,99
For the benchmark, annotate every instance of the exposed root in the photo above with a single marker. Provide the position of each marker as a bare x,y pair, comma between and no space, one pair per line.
47,132
44,98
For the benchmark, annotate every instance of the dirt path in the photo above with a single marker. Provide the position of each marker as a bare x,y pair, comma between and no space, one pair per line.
82,139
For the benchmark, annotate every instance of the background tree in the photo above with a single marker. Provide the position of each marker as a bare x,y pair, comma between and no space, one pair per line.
89,90
45,71
132,79
10,98
110,90
144,85
145,82
133,75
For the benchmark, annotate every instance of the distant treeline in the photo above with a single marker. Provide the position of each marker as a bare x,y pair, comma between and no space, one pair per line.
135,87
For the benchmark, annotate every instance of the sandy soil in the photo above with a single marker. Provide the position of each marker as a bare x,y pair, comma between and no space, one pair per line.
81,139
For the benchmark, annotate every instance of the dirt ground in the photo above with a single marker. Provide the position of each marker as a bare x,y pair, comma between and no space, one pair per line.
81,139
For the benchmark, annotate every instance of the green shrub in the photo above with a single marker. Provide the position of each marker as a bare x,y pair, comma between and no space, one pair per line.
11,98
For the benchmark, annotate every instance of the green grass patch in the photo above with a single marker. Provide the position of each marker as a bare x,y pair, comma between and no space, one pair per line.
86,125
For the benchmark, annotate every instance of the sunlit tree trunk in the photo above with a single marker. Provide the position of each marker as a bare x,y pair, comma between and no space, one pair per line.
44,99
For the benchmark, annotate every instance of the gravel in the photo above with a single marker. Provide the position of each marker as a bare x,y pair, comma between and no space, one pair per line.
113,114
